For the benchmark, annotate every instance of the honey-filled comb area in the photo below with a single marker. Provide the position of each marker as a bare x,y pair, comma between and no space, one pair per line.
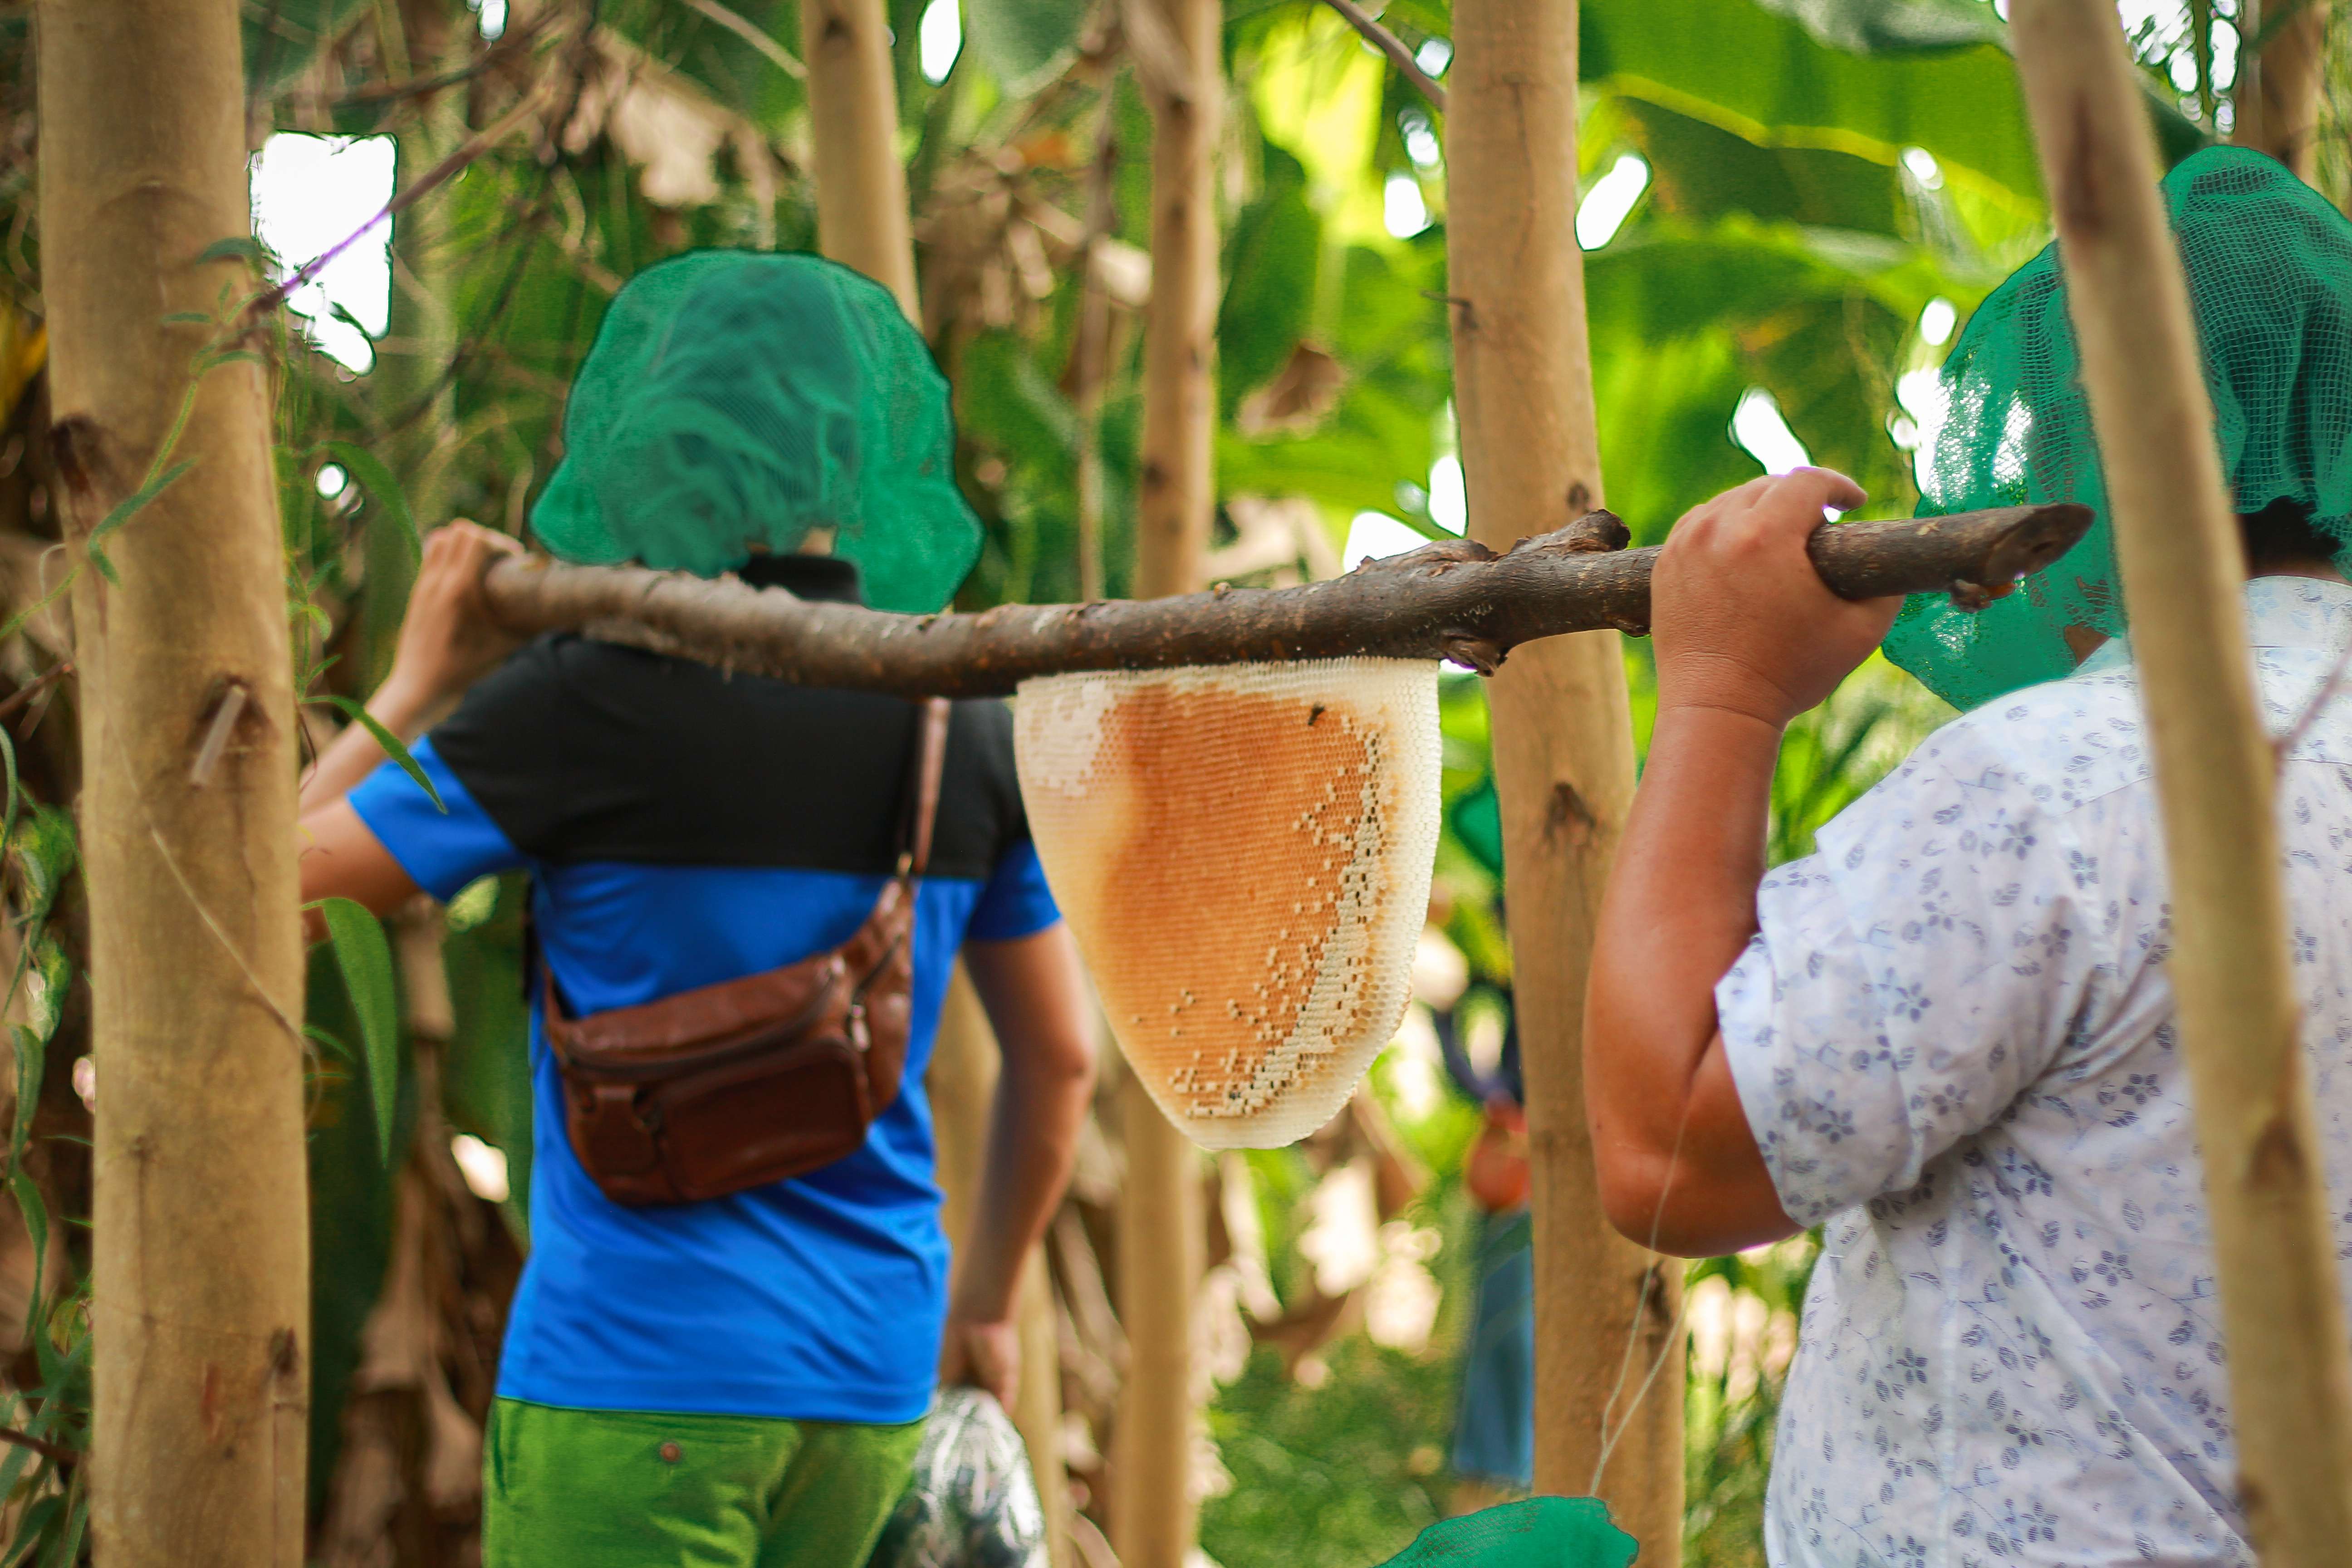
1243,855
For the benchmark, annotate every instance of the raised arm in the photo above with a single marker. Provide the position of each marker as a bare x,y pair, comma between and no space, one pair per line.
1035,995
1747,638
448,641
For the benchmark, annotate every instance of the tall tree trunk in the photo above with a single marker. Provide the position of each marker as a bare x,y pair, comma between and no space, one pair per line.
2277,95
1176,45
421,40
2290,1373
201,1312
861,185
862,222
1563,747
1090,351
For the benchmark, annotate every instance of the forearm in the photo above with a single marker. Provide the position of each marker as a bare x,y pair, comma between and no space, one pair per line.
401,707
1680,908
1032,1143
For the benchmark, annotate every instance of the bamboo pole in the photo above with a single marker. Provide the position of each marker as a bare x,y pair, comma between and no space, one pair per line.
1162,1243
854,124
2290,1383
1563,747
201,1310
1447,600
2279,66
862,222
419,39
963,1075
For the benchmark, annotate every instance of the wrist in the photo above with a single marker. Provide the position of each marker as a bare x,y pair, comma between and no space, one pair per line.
402,703
979,1301
1727,718
1720,683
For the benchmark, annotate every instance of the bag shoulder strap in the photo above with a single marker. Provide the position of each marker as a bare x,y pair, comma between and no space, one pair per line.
920,813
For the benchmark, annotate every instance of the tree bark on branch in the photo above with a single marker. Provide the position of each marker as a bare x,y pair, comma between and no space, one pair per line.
2217,784
1453,599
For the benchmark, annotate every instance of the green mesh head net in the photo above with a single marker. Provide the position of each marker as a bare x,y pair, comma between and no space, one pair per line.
735,400
1535,1532
2270,277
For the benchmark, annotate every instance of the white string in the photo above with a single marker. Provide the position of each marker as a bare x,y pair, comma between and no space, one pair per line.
1653,1276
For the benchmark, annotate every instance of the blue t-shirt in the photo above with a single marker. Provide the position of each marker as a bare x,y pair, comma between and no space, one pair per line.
684,828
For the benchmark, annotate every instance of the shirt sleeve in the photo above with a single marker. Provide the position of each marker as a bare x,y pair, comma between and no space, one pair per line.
1015,902
1907,982
441,850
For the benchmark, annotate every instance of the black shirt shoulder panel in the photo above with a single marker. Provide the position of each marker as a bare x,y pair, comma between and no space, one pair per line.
582,750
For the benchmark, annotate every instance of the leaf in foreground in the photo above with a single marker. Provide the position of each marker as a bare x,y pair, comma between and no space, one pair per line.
365,959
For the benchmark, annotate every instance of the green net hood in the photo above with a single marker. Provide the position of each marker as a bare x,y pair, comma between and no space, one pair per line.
2270,278
1534,1532
734,400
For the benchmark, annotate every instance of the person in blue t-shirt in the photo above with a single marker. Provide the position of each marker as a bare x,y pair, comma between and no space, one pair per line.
739,1382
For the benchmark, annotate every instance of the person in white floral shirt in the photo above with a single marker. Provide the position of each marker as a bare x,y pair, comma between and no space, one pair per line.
1947,1037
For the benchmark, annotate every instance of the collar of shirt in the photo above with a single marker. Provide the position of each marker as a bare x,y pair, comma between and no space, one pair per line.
2280,612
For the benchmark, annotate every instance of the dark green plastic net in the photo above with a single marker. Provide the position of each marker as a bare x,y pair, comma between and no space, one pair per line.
735,400
1537,1533
2270,276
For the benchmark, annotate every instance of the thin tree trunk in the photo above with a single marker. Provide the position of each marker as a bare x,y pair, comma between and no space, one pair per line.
410,386
862,222
2290,1385
1163,1242
1090,354
2277,94
1563,748
201,1313
961,1084
861,185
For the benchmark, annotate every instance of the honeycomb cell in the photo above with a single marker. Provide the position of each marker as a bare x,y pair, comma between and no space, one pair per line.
1243,855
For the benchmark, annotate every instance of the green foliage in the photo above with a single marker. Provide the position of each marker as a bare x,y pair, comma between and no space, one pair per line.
1732,1407
1024,44
39,1468
1775,81
365,957
1336,1476
372,475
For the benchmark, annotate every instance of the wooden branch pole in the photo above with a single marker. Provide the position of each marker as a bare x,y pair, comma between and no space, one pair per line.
2280,67
1162,1243
2290,1383
1563,741
1454,600
200,1308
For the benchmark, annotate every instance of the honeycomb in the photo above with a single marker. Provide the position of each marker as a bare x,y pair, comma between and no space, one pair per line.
1243,855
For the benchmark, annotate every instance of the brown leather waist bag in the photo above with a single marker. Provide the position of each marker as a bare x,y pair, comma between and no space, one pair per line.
734,1086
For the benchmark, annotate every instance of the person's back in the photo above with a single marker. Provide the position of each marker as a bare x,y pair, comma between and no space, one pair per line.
740,1381
683,828
1956,1043
1949,1037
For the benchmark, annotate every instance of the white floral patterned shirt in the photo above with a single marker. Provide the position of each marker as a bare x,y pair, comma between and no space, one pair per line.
1954,1039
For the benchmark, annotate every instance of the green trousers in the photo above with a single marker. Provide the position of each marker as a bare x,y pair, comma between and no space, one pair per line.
624,1488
